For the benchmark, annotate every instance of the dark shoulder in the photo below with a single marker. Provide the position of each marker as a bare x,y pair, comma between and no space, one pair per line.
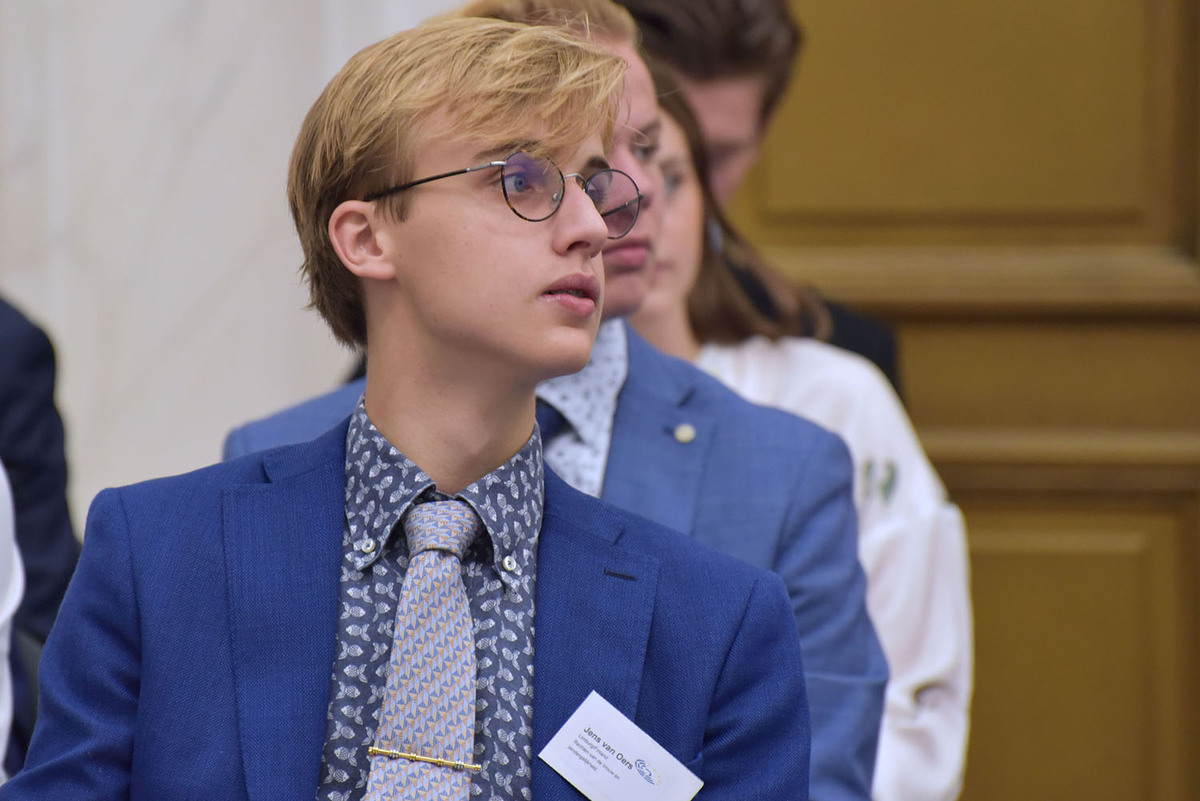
866,336
20,338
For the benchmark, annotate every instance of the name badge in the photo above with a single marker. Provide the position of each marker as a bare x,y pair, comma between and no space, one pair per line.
605,756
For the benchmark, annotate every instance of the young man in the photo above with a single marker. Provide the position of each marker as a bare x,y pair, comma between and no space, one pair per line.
354,617
656,436
733,60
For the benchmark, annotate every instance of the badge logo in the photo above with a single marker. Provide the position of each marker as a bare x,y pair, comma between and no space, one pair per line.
647,772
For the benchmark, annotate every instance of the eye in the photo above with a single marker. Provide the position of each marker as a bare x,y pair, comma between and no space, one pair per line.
517,182
597,187
645,152
672,180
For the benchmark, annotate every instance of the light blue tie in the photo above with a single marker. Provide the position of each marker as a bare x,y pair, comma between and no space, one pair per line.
426,734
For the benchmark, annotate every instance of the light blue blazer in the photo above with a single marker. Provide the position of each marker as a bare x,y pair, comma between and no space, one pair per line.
763,485
193,653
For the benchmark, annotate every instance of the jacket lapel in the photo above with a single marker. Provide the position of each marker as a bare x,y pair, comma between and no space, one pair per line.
657,433
283,546
594,605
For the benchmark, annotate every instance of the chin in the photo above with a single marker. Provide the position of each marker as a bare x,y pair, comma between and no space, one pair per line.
568,355
624,295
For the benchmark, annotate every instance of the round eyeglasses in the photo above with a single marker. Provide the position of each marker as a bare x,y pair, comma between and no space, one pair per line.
534,188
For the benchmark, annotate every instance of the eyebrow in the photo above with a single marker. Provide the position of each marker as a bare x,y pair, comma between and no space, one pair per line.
652,129
596,164
508,148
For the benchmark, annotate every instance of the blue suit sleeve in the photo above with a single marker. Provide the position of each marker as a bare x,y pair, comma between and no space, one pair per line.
33,451
845,668
758,737
82,746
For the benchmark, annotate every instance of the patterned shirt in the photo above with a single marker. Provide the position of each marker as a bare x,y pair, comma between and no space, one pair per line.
588,401
499,570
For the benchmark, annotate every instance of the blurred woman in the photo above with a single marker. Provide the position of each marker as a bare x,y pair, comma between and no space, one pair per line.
911,538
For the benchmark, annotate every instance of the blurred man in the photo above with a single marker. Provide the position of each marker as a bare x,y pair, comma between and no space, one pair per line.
734,60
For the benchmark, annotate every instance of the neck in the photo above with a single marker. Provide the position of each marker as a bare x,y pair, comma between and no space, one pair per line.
669,331
457,422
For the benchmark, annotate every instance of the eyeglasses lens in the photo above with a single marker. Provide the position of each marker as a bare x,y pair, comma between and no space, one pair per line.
616,198
532,186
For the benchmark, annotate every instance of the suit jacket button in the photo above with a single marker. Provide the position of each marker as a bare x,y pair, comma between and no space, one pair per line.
685,433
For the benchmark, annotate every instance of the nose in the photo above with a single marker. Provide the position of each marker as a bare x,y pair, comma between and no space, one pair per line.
649,180
578,224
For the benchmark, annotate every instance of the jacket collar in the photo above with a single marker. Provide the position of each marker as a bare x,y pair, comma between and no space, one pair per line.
283,621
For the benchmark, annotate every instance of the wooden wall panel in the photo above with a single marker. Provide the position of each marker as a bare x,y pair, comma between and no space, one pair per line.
1029,122
982,108
1076,680
1014,187
1070,375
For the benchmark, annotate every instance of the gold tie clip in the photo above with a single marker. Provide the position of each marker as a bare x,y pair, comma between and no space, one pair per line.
445,763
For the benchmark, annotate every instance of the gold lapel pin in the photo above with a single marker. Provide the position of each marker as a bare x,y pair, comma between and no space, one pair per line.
685,433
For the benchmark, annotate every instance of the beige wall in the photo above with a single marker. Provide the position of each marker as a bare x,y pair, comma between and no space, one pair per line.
143,152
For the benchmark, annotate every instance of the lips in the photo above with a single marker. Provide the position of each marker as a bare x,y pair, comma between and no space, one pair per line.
627,255
579,285
578,294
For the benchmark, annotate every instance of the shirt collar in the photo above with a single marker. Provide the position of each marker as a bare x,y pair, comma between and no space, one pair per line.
588,399
382,484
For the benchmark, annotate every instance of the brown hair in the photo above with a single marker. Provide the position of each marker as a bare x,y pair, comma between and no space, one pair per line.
495,80
718,306
710,39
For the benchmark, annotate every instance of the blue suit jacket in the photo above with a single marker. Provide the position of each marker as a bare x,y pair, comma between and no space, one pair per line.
193,654
757,483
32,449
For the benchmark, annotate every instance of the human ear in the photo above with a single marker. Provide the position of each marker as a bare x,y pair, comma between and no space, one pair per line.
354,232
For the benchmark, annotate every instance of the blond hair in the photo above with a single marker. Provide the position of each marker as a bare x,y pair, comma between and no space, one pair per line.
599,20
494,81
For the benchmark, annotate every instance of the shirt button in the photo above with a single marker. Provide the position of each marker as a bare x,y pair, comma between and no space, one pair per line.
368,546
685,433
510,564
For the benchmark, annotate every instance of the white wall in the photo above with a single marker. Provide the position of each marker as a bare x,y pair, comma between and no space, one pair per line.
143,222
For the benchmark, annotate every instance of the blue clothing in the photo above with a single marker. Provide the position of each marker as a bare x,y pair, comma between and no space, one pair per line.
760,484
179,669
33,452
34,456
